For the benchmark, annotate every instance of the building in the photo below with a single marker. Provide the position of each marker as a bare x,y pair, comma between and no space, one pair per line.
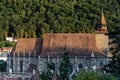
11,39
85,50
4,52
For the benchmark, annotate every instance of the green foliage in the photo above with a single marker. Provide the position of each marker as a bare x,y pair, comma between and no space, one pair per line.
45,76
113,65
51,65
32,18
48,74
89,75
3,66
9,44
1,34
6,44
64,67
2,44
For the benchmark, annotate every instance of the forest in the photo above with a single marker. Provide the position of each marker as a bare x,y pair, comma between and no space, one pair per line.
33,18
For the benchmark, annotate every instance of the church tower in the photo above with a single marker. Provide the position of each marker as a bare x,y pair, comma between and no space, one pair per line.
101,34
101,27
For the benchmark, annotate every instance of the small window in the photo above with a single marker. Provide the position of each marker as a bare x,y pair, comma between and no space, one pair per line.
80,66
101,63
12,65
21,66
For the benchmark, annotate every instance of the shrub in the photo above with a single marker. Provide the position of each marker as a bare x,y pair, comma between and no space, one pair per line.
90,75
9,43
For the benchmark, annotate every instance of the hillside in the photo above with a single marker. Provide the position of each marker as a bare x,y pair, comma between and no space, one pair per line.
32,18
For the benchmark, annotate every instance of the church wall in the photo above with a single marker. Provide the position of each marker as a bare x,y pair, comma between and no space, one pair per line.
25,61
86,62
102,42
42,66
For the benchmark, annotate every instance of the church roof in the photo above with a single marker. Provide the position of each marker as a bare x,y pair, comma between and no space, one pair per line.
27,46
76,44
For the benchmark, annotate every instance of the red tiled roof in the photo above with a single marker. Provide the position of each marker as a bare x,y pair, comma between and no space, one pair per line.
26,45
76,44
55,44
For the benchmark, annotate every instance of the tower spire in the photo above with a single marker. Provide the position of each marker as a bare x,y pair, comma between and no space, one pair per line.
102,19
102,23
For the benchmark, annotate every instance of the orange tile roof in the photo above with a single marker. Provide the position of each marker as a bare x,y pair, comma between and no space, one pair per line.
55,44
26,45
76,44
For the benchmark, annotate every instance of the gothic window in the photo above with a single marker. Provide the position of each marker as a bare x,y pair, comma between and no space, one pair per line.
12,65
101,63
21,66
80,66
71,67
53,66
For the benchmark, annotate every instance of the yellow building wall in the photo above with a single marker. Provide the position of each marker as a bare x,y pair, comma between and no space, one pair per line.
102,42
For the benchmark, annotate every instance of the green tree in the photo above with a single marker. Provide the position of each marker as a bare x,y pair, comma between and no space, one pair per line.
113,65
3,66
9,44
2,44
64,67
48,74
1,34
62,16
90,75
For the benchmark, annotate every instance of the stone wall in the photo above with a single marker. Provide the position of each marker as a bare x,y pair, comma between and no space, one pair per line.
102,42
16,62
86,62
42,66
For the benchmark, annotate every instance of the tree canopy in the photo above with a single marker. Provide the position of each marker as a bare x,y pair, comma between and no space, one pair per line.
3,66
32,18
113,65
64,68
90,75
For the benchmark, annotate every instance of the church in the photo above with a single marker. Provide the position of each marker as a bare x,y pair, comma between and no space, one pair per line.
85,50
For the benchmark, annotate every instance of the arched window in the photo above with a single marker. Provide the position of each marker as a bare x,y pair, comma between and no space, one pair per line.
80,66
71,67
101,63
21,66
12,65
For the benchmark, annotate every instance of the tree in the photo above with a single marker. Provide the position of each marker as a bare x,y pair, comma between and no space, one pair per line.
1,34
64,68
9,44
114,65
2,44
63,16
48,75
90,75
3,66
